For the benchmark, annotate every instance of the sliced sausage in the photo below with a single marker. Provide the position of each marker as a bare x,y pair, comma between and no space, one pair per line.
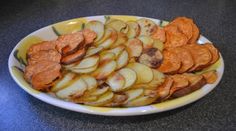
171,64
210,76
75,57
201,56
69,43
89,36
45,45
44,55
151,57
185,57
45,79
214,52
31,70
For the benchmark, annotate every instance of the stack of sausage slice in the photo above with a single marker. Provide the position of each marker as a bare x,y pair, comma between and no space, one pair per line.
45,58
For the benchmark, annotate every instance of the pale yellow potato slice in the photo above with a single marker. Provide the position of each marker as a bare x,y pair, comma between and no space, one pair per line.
85,99
99,91
102,100
134,47
93,50
122,38
158,44
63,82
122,59
144,73
147,41
104,70
97,27
118,100
148,27
118,25
133,94
116,81
134,29
141,101
117,50
107,34
158,79
106,56
85,70
75,89
90,81
110,40
130,77
87,62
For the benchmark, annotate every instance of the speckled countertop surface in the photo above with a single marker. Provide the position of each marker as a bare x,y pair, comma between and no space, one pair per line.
215,18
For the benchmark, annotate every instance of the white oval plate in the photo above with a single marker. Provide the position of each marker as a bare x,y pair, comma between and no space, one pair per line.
48,33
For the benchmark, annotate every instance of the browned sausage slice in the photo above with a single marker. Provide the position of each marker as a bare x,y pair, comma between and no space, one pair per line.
45,79
44,55
89,36
45,45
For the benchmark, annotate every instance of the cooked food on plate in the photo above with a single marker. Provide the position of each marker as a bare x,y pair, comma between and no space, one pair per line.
123,63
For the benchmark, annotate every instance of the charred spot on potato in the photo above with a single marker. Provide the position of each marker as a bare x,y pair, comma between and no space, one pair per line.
151,57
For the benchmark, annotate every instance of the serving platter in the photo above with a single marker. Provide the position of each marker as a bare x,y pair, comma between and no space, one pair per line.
16,64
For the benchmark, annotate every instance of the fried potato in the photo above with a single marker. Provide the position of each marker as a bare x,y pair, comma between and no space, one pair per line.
116,81
147,26
134,29
130,77
184,25
134,47
159,34
122,38
195,34
102,100
164,89
97,27
214,52
63,82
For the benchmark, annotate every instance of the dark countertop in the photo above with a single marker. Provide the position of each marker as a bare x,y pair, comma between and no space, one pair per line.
215,18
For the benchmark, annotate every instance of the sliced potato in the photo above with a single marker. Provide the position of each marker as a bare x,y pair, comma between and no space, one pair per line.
63,82
116,81
147,41
118,25
134,29
134,47
122,38
97,27
117,50
133,94
147,26
87,62
158,79
158,44
150,93
106,56
130,77
75,89
85,70
122,59
85,99
118,100
141,101
144,73
90,81
99,91
108,42
107,34
102,100
93,50
104,70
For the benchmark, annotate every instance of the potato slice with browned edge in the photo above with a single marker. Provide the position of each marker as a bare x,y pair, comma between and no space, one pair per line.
102,100
164,89
106,56
147,41
141,101
151,57
144,73
85,99
93,50
104,70
116,81
97,27
84,70
63,82
118,25
210,76
134,29
110,40
158,44
122,59
122,38
158,79
87,62
148,27
118,100
133,94
90,81
107,34
75,89
130,77
134,47
117,50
